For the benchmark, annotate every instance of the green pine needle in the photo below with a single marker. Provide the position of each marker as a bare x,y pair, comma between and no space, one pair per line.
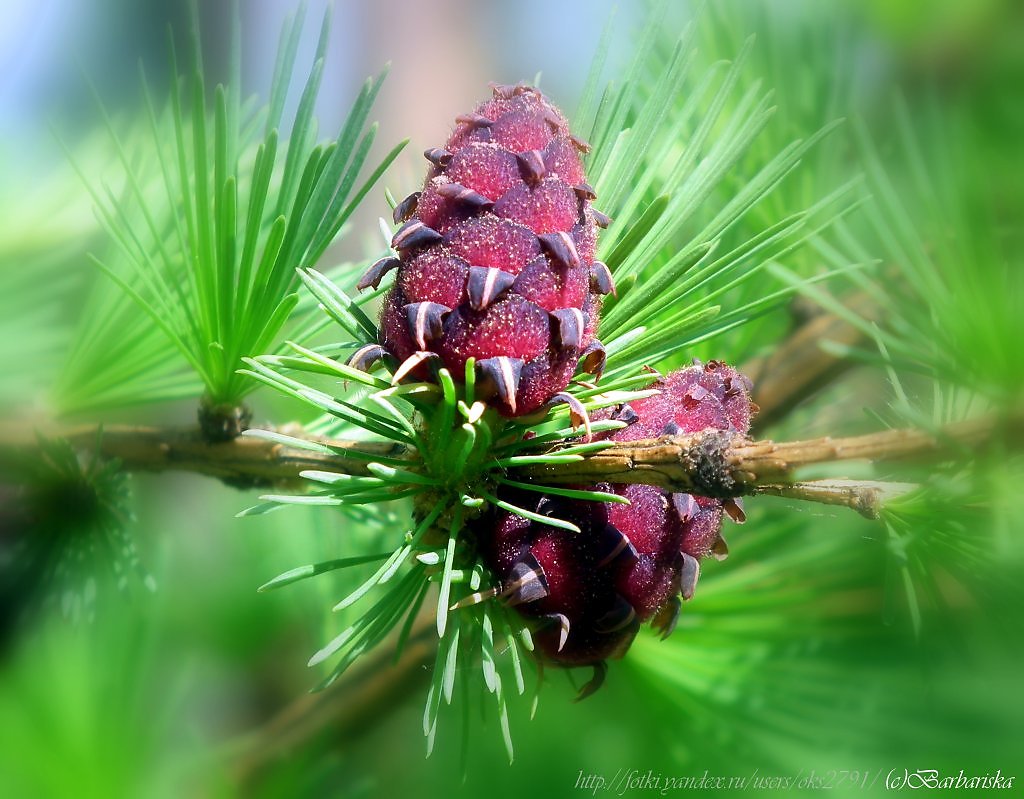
221,284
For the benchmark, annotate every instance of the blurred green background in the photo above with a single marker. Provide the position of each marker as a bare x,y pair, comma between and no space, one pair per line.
827,645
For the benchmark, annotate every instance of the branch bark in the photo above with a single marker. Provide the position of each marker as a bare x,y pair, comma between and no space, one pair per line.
864,496
242,462
710,463
715,464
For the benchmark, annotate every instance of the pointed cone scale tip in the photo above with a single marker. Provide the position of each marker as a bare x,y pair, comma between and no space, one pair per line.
594,683
546,506
507,91
531,166
685,506
527,582
411,363
594,357
414,234
667,618
720,549
366,356
616,543
625,413
458,193
561,248
689,573
734,510
376,272
695,395
585,191
601,278
671,429
502,375
485,284
618,618
406,208
438,156
601,220
563,623
578,416
425,321
474,120
552,119
504,91
572,324
580,144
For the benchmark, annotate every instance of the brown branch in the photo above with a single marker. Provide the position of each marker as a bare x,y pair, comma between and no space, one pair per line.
376,685
715,464
709,463
243,462
799,367
864,496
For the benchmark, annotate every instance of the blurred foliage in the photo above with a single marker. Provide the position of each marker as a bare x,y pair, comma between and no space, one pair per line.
825,642
215,217
66,519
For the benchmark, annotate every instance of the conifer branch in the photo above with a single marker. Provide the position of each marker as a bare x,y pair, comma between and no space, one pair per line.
799,366
710,463
347,708
242,462
864,496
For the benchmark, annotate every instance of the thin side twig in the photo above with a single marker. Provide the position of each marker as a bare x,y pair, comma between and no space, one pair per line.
864,496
